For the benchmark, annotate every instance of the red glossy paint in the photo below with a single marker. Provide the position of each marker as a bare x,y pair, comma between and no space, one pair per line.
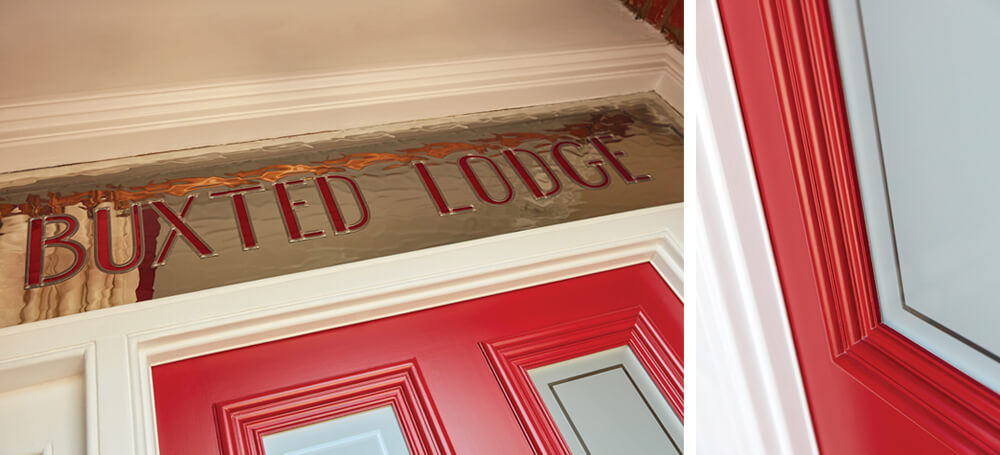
870,390
511,359
444,342
243,423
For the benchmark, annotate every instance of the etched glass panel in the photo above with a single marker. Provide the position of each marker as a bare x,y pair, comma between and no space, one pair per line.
923,140
85,237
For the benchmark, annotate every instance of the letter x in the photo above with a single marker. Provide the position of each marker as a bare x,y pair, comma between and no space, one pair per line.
178,226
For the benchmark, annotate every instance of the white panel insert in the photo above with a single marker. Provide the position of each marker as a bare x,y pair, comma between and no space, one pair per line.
922,120
46,402
606,403
372,432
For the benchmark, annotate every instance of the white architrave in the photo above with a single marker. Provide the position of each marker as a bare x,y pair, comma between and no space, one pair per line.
131,338
749,395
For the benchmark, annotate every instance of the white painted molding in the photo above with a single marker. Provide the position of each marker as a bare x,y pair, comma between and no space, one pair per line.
405,283
749,394
131,338
47,365
671,85
114,125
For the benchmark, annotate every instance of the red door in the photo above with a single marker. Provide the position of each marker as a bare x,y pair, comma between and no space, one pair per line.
457,377
870,389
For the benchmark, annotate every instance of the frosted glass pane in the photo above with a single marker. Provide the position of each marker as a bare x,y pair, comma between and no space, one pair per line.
923,133
374,432
605,403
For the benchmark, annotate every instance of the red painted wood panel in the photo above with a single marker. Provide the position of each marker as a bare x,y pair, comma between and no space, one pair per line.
870,390
444,342
512,358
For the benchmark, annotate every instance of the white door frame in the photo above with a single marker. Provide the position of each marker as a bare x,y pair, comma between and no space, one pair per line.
748,395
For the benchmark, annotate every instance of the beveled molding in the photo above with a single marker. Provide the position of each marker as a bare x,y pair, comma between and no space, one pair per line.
511,358
121,124
950,405
404,283
243,423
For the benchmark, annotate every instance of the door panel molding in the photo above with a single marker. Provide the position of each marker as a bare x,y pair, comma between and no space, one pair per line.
243,423
445,341
809,188
511,359
384,287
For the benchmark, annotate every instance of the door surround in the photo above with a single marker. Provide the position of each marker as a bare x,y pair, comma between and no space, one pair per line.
125,342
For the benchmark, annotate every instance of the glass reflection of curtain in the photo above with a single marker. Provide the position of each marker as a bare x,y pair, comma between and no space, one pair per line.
87,290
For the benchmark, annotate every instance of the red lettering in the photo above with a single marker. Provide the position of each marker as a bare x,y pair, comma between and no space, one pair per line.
557,153
477,185
103,245
287,207
616,163
332,209
530,181
178,226
435,192
34,273
243,223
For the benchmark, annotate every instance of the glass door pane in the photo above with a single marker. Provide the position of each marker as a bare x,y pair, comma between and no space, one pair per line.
372,432
606,403
923,135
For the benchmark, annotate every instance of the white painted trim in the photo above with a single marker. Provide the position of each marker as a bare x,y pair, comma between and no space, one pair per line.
132,338
750,398
407,287
51,365
113,125
671,85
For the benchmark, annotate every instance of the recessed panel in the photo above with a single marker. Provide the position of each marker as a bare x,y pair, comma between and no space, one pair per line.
45,418
373,432
920,85
605,403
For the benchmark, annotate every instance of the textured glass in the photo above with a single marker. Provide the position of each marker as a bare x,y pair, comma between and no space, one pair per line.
403,214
